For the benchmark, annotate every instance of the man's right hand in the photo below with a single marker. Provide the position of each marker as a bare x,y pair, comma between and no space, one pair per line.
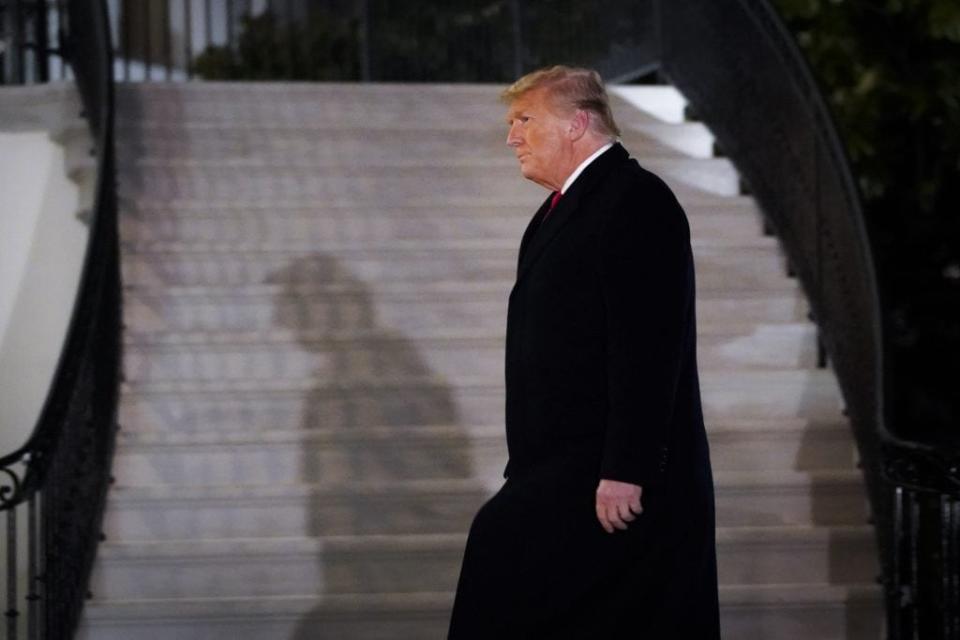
618,503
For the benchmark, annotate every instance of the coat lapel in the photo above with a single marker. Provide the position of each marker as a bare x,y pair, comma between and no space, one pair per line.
538,236
532,227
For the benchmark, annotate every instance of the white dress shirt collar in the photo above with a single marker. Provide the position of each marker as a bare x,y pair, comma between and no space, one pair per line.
583,165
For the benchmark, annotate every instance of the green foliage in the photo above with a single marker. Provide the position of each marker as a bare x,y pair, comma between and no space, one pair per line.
323,47
890,70
453,41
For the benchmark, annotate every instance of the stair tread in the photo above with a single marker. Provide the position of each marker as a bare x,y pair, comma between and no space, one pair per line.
723,480
492,338
504,245
466,289
716,428
783,535
731,205
730,595
378,163
502,249
527,201
718,379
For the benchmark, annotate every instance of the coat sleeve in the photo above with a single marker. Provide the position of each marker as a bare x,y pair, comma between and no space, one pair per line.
646,272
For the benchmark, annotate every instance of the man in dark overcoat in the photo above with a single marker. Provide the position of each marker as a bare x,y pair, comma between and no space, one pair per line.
605,525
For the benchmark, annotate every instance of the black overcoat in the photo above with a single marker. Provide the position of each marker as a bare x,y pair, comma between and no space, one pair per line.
601,382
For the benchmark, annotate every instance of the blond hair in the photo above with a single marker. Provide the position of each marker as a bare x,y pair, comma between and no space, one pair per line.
570,88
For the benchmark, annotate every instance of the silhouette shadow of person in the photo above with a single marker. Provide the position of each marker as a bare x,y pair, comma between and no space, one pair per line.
369,390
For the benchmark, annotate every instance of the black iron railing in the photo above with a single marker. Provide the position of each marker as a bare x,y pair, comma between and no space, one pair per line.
374,40
54,486
747,80
30,33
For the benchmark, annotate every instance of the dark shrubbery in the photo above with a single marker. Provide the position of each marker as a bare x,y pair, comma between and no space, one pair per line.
890,70
323,47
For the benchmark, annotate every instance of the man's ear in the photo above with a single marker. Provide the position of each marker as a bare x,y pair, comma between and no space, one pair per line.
579,124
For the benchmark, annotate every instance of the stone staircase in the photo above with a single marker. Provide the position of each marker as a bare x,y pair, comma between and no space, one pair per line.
316,280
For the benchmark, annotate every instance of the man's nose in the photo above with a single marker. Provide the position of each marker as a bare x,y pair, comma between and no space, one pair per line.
512,138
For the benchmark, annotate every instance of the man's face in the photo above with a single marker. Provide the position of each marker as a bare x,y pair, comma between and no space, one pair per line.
539,137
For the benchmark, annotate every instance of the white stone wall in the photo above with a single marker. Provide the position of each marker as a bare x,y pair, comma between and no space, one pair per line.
42,245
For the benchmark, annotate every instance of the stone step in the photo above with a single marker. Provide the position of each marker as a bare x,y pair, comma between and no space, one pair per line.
411,310
316,107
269,456
690,139
787,612
405,183
770,612
329,230
400,616
266,98
55,107
451,335
421,562
395,106
191,406
498,245
243,510
360,194
339,146
663,102
157,211
382,353
746,269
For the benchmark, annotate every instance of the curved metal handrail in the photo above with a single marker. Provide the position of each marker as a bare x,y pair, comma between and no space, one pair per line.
63,470
96,90
760,99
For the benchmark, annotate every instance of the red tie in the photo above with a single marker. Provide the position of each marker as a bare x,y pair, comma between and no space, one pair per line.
554,201
553,205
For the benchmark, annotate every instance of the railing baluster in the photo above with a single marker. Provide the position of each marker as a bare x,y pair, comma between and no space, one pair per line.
42,584
125,37
207,24
4,43
517,20
41,41
167,38
61,12
12,613
230,43
949,561
15,53
188,37
147,48
291,54
364,39
914,522
953,568
33,559
895,613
